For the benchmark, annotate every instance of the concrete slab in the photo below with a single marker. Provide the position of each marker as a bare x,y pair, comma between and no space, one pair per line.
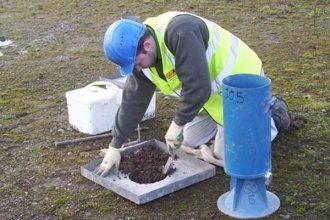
189,170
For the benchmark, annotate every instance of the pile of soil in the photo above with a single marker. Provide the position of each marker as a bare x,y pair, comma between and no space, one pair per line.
297,123
145,165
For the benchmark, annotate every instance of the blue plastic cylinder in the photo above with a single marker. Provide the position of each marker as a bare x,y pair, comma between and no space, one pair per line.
247,124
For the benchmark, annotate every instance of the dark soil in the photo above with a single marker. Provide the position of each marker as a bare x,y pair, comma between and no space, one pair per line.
297,122
145,165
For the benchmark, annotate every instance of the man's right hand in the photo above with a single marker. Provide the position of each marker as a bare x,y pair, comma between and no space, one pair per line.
111,159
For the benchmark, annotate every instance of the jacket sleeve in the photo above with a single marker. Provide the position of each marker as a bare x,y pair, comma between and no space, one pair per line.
186,37
137,93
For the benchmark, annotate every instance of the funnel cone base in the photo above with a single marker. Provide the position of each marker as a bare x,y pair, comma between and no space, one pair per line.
248,199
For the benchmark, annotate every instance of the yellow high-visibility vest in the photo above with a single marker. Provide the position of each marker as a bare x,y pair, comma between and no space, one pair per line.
226,54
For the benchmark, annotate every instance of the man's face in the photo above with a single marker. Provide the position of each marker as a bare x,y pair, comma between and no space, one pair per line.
147,57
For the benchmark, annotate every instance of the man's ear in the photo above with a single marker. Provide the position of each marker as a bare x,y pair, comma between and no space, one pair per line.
147,44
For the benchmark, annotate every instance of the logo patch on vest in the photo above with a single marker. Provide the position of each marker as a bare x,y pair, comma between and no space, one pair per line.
170,74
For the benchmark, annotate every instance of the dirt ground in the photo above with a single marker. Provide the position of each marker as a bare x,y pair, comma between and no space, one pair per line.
57,47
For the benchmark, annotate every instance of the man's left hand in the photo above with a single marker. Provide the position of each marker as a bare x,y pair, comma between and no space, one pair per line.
174,136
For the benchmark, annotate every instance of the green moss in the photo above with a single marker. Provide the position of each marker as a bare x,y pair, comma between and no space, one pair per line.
311,153
301,210
92,204
183,206
60,201
7,118
105,209
34,52
290,200
297,164
83,160
323,206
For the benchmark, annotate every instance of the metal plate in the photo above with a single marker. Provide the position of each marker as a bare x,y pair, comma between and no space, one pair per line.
189,170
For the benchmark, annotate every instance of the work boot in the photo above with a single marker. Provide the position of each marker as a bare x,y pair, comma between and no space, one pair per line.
280,113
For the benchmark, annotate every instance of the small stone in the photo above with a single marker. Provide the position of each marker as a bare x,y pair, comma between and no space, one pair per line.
35,189
87,214
84,154
286,216
64,58
307,96
5,43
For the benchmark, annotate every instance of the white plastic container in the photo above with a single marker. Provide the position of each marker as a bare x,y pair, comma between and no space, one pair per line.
92,109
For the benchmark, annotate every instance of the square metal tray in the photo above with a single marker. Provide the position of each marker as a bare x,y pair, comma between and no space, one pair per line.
189,170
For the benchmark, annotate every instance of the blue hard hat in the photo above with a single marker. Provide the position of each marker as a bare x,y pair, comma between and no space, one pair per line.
121,42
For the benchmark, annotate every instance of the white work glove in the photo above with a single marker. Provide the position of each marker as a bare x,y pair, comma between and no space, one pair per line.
111,159
174,136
